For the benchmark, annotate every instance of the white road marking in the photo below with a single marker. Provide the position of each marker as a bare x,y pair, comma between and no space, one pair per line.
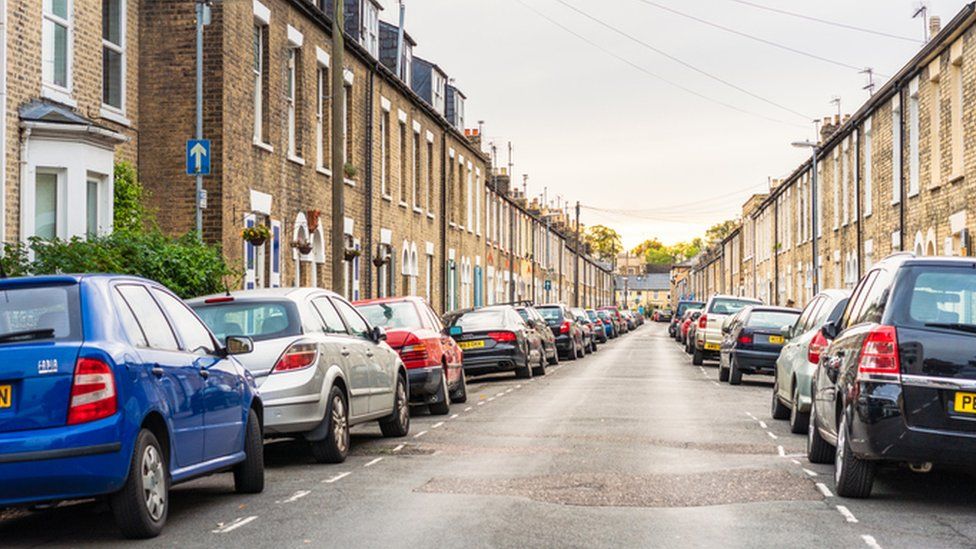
455,416
809,472
481,403
847,514
715,383
509,390
781,451
336,478
469,408
489,399
871,542
374,462
501,394
763,425
795,461
398,448
234,525
752,416
518,386
771,435
436,425
420,434
824,490
295,497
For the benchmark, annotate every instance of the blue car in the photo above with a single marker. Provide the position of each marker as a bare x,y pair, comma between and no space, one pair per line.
110,386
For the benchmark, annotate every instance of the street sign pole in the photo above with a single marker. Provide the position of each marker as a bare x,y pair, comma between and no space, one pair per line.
201,10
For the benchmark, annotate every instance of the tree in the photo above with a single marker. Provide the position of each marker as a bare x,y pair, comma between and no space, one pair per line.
603,241
654,252
718,232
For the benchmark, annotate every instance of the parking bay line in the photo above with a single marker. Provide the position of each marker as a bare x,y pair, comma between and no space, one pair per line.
501,394
847,514
420,434
336,478
824,490
234,525
469,408
398,448
771,435
809,472
763,425
436,425
781,451
374,462
295,497
455,416
871,542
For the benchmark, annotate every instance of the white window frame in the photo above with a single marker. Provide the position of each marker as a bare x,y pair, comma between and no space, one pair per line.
261,28
415,161
291,98
896,147
868,166
914,141
384,152
322,152
49,88
120,48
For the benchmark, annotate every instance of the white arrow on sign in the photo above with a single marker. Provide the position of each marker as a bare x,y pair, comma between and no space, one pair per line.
198,152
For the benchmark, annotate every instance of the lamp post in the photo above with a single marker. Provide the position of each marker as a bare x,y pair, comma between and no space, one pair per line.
815,151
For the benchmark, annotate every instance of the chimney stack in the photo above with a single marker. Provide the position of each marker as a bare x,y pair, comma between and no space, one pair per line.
935,26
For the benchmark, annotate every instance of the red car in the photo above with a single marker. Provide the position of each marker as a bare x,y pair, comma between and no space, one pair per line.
432,358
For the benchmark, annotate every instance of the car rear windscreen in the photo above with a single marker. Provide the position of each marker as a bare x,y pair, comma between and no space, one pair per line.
936,296
477,321
40,313
729,306
550,313
772,319
682,307
392,316
259,320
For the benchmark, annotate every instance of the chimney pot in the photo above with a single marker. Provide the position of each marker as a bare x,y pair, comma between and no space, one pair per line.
935,26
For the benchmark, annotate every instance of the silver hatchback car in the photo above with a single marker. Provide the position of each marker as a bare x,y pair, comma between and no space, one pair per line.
320,367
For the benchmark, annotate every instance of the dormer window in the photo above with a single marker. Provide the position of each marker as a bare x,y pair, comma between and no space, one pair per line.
438,92
370,34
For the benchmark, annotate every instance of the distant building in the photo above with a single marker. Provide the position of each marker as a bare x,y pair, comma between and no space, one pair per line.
650,291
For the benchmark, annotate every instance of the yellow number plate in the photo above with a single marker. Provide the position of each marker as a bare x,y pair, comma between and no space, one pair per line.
472,344
965,403
777,340
6,396
712,346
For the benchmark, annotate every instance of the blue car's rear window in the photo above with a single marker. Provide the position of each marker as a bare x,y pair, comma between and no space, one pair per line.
33,313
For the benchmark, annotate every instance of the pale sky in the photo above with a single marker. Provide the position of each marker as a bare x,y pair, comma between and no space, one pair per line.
593,128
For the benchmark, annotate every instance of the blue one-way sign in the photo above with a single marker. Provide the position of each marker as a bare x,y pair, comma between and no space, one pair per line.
198,157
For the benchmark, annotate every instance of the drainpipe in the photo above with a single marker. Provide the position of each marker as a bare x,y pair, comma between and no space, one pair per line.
24,163
445,299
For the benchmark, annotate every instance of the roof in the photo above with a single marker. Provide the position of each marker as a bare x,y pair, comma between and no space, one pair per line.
42,111
645,282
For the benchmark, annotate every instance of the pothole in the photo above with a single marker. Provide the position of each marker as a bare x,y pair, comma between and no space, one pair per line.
619,490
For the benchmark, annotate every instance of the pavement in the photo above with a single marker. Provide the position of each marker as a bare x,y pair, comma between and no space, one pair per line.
632,446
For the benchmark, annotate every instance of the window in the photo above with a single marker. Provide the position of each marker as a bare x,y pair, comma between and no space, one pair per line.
293,100
935,129
428,196
332,322
838,183
385,153
844,182
55,44
260,75
868,167
347,124
322,120
357,326
469,200
415,172
403,162
154,325
113,53
259,320
91,209
477,207
450,193
896,149
913,138
430,277
196,338
371,28
956,100
46,205
129,323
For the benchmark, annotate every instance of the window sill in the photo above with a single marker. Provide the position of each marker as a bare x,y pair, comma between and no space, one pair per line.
58,95
114,115
387,197
913,194
263,146
402,204
324,171
349,182
452,224
868,214
296,159
418,211
956,178
430,215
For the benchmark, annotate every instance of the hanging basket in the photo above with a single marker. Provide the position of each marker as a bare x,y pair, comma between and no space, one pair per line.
302,246
351,254
256,235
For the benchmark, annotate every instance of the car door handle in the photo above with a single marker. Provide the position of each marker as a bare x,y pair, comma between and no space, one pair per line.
158,372
369,354
344,352
204,373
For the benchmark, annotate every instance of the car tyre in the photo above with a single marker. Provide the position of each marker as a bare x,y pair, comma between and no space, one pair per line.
571,355
778,410
697,357
854,477
249,474
398,424
524,372
735,374
442,406
335,446
461,393
141,511
555,357
540,370
799,421
580,349
818,449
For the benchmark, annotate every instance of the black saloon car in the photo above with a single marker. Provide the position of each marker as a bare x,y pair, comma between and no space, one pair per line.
752,341
539,324
898,381
496,339
569,334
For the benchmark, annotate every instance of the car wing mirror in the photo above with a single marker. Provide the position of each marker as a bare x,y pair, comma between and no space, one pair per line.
378,334
238,345
831,330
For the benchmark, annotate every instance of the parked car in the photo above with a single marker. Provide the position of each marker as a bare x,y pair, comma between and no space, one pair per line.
609,326
664,315
800,357
535,322
708,335
568,332
599,327
684,327
689,328
321,368
432,358
110,386
618,319
496,339
753,339
589,331
628,317
679,315
898,381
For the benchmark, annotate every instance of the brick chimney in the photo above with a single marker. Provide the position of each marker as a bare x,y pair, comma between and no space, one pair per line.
828,128
935,26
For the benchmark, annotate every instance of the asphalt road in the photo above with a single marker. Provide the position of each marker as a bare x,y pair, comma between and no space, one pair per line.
630,447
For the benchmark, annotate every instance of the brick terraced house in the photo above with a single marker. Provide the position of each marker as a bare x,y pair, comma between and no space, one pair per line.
899,175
